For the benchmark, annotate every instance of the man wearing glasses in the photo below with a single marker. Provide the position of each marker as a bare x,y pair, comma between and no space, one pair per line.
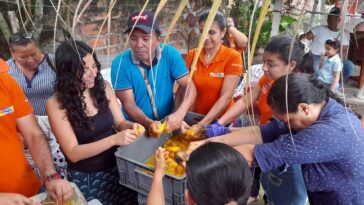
35,74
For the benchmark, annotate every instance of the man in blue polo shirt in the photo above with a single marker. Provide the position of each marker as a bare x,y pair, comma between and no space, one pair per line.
161,65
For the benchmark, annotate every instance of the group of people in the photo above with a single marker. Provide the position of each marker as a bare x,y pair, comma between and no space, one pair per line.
308,144
329,46
79,122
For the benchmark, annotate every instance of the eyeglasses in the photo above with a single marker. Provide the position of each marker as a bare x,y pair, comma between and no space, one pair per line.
20,36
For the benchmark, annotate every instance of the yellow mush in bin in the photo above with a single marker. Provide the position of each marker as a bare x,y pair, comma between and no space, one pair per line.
174,146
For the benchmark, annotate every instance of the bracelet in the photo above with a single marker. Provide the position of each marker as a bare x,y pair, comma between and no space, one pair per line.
49,177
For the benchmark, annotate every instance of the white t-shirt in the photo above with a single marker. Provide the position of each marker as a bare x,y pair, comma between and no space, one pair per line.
323,33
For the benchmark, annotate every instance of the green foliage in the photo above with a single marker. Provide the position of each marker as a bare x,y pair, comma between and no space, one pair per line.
286,21
245,11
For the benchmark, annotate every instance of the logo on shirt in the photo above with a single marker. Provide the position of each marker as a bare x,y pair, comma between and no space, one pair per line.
216,74
6,111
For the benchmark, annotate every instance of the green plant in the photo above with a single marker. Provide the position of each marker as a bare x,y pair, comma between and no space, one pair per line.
245,10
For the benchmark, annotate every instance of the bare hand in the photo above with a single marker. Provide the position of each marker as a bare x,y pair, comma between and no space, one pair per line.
230,22
15,199
184,127
138,129
160,161
154,129
173,122
60,190
124,137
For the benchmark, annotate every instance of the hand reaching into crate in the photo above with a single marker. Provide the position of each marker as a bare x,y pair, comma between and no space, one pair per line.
124,137
160,161
138,129
174,121
156,194
156,128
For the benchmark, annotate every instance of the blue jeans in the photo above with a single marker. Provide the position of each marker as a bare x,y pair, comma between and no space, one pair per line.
347,69
287,188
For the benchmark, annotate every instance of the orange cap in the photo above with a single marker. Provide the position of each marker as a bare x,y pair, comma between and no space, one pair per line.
4,67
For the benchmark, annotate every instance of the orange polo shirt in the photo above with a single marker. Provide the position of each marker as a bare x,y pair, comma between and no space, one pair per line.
16,175
209,79
264,109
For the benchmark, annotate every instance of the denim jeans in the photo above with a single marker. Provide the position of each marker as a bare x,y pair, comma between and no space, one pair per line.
287,188
347,69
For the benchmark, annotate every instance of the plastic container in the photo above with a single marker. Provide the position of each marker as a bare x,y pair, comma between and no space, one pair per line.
137,176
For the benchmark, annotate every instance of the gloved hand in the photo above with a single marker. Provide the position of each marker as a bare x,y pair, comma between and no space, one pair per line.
215,129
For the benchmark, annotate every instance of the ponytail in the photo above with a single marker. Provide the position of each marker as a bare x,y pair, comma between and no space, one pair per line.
281,45
302,88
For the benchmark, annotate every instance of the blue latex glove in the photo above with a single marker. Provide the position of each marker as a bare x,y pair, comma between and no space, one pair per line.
215,129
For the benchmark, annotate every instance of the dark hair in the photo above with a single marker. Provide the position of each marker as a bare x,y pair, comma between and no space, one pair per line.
334,43
69,86
220,20
302,88
217,174
21,39
281,44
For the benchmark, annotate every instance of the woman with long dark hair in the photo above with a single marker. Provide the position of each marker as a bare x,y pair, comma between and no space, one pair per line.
88,124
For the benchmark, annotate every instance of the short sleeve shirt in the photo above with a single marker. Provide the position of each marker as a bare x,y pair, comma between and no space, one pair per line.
330,151
329,66
264,109
208,79
323,33
40,87
16,174
170,67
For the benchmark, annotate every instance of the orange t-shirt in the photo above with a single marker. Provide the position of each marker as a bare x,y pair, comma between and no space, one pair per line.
264,109
209,79
16,175
3,66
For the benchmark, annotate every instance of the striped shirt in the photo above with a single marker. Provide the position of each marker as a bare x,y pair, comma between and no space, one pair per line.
40,87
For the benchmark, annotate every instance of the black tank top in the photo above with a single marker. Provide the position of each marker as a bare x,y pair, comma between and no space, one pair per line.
101,127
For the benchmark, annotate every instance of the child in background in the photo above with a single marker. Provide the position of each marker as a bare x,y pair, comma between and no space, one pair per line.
330,64
216,174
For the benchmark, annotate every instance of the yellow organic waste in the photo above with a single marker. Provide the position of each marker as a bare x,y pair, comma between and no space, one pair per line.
52,202
140,129
173,145
162,127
